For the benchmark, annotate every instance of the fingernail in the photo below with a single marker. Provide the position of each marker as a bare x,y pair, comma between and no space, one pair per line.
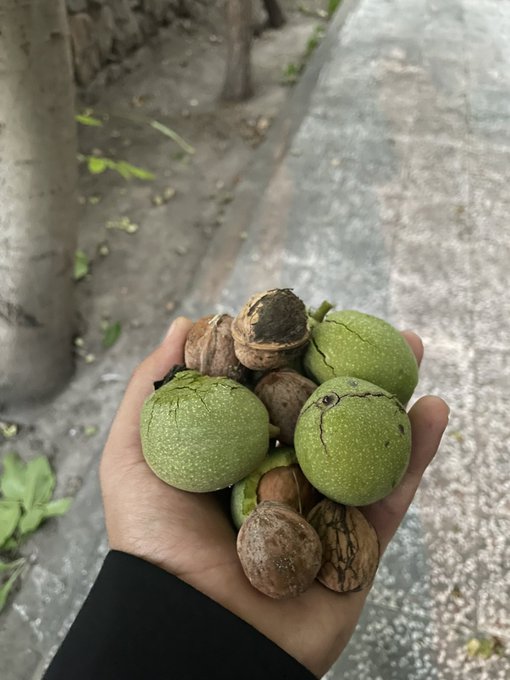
174,326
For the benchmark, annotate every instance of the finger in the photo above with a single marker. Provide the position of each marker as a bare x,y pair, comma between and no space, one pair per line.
415,343
124,433
429,417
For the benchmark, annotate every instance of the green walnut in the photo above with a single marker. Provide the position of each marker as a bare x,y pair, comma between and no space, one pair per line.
350,343
353,441
278,479
202,433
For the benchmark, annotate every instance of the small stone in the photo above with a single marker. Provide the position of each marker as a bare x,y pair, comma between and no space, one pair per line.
170,306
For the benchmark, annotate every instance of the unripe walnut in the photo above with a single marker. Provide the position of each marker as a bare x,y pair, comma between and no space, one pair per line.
271,330
279,551
283,393
350,547
209,348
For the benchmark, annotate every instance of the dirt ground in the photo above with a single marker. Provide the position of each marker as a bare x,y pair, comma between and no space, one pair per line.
139,278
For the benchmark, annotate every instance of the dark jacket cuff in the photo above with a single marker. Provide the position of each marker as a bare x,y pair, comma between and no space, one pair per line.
141,623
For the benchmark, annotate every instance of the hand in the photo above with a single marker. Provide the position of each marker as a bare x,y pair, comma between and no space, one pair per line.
190,535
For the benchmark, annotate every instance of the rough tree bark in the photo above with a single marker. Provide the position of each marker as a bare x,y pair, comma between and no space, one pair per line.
37,199
276,17
237,84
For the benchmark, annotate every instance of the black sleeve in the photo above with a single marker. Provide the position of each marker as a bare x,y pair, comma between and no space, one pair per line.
141,623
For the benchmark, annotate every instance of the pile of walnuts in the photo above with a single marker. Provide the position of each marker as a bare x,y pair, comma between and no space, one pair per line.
289,535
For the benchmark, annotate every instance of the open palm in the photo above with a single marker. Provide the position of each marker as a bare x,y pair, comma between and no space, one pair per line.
191,536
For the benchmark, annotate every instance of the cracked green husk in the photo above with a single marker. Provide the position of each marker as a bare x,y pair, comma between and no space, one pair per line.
244,493
350,343
201,433
353,441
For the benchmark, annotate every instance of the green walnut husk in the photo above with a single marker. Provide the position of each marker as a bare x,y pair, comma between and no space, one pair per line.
353,441
244,493
201,433
350,343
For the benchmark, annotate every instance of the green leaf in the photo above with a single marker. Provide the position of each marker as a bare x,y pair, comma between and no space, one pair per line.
40,482
9,516
11,544
81,265
31,520
56,508
96,165
111,334
7,586
13,480
90,430
85,119
9,566
168,132
484,648
128,171
122,170
122,224
333,6
8,430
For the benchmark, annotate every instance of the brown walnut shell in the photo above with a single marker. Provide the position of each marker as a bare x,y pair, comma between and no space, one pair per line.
289,486
279,551
350,547
209,348
264,360
271,330
283,393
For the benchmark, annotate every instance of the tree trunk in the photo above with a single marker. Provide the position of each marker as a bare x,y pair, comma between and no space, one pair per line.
237,85
275,14
37,199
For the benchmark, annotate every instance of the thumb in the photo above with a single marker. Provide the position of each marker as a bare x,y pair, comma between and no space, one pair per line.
125,430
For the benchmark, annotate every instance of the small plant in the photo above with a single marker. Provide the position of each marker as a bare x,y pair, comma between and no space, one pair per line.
291,73
26,501
333,6
314,41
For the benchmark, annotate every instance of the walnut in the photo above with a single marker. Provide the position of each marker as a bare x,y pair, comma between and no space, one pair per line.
271,330
209,348
283,393
350,547
279,551
288,485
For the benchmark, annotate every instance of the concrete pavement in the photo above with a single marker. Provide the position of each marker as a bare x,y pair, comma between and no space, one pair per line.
390,195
